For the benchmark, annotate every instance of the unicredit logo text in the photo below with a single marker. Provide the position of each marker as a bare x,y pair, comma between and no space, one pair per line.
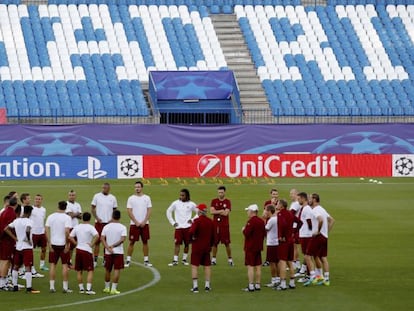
271,166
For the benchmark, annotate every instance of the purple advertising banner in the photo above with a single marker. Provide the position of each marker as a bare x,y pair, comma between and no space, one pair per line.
95,140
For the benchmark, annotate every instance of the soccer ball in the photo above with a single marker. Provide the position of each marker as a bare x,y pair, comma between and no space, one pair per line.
56,144
404,166
129,167
365,143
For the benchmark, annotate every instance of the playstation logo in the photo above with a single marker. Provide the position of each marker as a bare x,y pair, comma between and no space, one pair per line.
209,165
93,170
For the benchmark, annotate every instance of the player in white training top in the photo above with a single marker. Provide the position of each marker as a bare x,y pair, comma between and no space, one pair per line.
38,217
113,236
103,204
305,234
24,248
74,210
322,223
183,210
58,226
294,208
139,211
272,241
86,236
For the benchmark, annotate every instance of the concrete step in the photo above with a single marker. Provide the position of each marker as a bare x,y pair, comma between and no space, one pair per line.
252,94
255,105
223,17
238,60
231,52
229,46
245,74
231,36
247,80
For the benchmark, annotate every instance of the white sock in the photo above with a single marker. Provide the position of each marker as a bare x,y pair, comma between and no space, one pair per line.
318,271
128,258
251,286
283,283
146,258
34,270
207,284
107,284
81,286
88,286
175,258
312,274
15,276
292,282
28,279
277,279
114,285
326,276
303,269
214,259
230,259
274,281
185,256
52,284
195,283
42,263
65,285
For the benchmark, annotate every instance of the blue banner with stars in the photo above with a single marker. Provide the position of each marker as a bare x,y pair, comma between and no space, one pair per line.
187,85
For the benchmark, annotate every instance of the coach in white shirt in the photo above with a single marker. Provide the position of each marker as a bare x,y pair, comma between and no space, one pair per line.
103,204
58,226
139,211
183,210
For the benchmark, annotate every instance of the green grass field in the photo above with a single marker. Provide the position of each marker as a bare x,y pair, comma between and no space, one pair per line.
370,249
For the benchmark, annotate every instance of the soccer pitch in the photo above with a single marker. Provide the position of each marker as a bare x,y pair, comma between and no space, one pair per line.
370,249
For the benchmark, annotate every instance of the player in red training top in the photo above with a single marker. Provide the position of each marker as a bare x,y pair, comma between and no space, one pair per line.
274,198
7,243
220,209
285,220
202,237
254,233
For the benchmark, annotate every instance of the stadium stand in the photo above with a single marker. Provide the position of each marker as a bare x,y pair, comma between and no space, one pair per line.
84,59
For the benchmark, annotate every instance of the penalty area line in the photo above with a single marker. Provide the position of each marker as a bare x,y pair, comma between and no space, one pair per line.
156,278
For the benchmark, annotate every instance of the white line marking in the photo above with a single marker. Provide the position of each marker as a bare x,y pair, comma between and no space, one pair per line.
156,278
243,183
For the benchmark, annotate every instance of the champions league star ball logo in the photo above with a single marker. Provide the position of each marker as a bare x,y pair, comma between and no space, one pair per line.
365,142
404,166
129,167
56,144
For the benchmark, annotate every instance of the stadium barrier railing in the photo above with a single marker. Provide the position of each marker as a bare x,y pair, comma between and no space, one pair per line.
214,116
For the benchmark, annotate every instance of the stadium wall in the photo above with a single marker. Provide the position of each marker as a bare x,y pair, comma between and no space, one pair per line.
164,151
